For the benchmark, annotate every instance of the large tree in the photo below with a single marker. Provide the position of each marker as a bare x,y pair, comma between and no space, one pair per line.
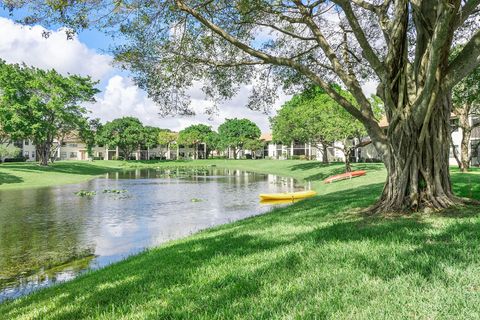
43,106
126,133
466,107
402,44
234,133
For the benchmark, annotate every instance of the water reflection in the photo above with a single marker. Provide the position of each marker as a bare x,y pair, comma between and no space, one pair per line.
50,234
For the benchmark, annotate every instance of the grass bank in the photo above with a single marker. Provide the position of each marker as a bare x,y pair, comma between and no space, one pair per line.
316,259
31,175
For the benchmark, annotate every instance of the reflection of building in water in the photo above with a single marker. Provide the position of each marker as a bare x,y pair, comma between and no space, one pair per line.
288,183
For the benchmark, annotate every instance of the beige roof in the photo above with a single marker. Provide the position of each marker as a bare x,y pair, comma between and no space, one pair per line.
266,136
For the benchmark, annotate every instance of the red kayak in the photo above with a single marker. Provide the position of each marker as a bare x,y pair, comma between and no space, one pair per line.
346,175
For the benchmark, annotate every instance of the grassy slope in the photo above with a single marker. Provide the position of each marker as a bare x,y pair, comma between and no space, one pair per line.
315,259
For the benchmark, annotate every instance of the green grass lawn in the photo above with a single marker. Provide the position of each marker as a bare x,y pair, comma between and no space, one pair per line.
316,259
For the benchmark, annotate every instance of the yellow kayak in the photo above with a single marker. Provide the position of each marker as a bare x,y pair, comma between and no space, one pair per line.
287,195
269,202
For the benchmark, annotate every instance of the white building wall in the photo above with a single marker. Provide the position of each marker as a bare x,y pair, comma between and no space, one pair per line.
457,140
29,151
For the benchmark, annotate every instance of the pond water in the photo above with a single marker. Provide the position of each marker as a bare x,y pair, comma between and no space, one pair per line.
50,235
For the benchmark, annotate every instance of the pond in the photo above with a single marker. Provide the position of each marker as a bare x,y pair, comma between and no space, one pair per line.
49,235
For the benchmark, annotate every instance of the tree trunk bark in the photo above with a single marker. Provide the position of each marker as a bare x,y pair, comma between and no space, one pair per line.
464,145
346,152
455,153
418,174
324,153
44,153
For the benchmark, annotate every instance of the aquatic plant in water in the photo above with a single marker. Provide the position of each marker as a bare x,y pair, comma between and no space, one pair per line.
85,193
115,191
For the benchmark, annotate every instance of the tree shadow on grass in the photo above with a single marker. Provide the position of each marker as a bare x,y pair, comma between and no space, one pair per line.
64,167
6,178
331,169
225,271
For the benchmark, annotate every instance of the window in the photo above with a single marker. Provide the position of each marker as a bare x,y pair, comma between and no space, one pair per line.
63,144
299,152
100,154
63,155
475,120
27,142
26,154
33,154
474,146
73,154
73,145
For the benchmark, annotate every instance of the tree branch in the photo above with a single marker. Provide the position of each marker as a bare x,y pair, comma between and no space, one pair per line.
368,52
348,79
365,116
468,9
466,61
288,33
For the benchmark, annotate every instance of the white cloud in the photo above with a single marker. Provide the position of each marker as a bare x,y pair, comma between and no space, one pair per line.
122,97
25,44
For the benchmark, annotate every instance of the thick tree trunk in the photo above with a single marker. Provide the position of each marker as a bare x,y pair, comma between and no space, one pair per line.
44,153
417,164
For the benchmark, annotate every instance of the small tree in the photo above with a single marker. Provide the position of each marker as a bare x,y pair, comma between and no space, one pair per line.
8,152
466,106
254,145
88,134
42,105
193,136
150,138
167,138
234,133
213,142
125,133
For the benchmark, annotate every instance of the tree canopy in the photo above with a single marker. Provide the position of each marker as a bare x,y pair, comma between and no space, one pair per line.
126,133
166,137
234,133
150,136
193,136
314,117
42,105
